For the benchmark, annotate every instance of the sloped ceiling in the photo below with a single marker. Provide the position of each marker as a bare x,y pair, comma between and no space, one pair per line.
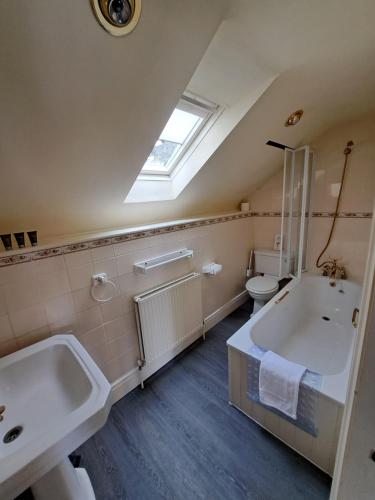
81,110
324,55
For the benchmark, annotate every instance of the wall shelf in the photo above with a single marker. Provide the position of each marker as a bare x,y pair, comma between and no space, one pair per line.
146,265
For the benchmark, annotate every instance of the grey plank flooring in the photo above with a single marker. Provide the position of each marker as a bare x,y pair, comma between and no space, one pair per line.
179,439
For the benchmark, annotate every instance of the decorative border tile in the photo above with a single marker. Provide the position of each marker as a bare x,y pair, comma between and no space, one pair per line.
100,243
15,259
343,215
129,236
265,214
76,247
43,254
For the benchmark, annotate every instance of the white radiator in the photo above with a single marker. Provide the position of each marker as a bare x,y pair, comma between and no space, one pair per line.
169,318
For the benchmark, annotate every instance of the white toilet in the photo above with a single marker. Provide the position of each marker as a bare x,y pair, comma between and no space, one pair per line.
263,288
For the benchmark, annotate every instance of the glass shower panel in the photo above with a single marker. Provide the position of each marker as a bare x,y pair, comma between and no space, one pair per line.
295,197
285,219
309,160
296,210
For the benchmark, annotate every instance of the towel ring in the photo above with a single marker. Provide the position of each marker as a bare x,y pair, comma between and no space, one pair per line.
98,280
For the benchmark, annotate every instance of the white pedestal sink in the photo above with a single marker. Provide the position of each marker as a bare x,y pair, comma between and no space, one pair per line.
55,398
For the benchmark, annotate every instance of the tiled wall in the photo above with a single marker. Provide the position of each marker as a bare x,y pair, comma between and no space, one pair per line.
351,236
267,199
52,295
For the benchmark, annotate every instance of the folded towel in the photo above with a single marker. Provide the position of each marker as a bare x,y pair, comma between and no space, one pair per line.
279,383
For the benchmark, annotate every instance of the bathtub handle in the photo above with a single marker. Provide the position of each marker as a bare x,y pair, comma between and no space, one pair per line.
282,297
355,317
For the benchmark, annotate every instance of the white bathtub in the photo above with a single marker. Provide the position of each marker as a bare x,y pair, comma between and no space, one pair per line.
311,325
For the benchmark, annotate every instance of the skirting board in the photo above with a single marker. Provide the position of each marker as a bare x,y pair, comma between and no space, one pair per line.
132,379
225,310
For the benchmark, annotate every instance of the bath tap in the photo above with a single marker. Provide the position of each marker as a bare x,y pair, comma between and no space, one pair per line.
333,270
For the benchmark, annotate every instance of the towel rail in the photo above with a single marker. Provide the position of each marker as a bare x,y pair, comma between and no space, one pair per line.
162,260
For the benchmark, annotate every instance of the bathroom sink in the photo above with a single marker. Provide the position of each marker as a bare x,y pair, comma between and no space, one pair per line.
55,398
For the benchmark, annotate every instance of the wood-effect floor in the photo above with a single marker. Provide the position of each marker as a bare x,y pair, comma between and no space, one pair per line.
179,439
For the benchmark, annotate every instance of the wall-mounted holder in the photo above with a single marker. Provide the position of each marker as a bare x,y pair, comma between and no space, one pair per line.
146,265
212,269
99,281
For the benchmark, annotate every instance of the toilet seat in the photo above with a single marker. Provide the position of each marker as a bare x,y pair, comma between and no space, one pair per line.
262,285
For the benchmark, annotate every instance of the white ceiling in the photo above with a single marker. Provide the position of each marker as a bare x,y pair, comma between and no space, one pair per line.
81,110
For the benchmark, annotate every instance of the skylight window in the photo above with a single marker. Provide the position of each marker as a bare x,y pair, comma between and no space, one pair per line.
184,129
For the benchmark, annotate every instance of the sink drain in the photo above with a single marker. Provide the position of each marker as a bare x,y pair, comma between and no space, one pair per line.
13,434
326,318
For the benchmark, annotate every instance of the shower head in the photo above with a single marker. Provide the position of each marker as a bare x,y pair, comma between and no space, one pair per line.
277,145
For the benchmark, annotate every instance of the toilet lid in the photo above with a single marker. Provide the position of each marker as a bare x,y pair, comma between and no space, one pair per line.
262,284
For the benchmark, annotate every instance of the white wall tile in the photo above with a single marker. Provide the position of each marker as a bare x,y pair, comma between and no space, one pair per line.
78,259
19,295
50,265
67,324
3,308
93,338
33,336
122,345
59,308
82,299
109,329
106,266
89,319
26,320
21,272
53,284
5,329
112,310
99,349
130,321
115,329
80,277
7,347
136,245
116,367
103,253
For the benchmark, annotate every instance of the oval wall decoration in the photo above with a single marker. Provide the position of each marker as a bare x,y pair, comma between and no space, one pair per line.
118,17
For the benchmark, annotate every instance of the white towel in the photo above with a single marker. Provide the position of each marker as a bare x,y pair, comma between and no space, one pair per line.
279,383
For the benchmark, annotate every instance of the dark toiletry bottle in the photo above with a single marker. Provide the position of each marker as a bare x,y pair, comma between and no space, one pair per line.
20,238
33,238
7,241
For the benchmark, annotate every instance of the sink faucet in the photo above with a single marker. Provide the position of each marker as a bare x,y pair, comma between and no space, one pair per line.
2,410
333,270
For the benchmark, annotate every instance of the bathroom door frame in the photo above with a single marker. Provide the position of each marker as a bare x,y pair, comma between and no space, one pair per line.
302,239
355,388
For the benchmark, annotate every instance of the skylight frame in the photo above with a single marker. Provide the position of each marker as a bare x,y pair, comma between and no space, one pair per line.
199,107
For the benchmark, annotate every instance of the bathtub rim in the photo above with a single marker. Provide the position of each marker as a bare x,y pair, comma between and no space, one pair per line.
333,386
